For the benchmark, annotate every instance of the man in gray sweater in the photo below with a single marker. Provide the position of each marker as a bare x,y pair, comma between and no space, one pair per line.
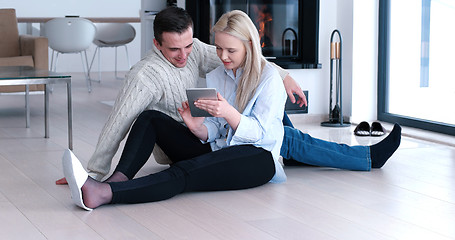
159,82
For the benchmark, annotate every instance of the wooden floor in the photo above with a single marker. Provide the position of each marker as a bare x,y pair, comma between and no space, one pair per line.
412,197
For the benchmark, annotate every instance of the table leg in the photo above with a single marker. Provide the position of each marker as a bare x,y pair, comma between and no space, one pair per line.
29,28
27,106
46,111
70,116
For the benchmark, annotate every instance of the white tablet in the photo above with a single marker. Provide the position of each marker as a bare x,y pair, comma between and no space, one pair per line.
194,94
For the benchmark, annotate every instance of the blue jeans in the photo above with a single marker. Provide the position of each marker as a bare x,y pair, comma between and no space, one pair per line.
303,148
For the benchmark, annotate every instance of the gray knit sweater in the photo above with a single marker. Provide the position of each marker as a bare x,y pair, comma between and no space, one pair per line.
152,83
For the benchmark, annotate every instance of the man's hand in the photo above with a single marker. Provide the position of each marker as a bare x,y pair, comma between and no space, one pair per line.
61,181
292,87
195,124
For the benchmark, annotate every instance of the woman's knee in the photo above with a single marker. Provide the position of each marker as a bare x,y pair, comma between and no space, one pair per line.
149,115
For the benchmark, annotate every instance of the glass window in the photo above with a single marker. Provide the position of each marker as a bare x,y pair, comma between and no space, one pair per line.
419,84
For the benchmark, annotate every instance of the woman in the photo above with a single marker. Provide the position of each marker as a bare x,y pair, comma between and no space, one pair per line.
237,148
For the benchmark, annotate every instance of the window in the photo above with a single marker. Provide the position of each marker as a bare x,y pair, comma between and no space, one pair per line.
416,63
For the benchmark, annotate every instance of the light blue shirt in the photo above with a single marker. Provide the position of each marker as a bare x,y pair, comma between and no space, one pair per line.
261,121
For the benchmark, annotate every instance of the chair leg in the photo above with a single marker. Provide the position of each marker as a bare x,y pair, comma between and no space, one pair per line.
27,106
91,64
99,65
127,58
53,68
55,64
116,63
86,67
52,60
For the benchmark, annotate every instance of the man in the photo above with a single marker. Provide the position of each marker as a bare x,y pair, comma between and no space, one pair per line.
159,81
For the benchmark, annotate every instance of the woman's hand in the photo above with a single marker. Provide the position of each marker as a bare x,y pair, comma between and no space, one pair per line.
220,108
216,108
195,124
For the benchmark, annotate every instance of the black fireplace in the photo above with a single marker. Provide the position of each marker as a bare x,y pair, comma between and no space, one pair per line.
289,29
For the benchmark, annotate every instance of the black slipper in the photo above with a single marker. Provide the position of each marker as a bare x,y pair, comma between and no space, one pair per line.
363,129
377,129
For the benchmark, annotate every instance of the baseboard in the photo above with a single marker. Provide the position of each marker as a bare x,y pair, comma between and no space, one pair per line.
312,118
21,93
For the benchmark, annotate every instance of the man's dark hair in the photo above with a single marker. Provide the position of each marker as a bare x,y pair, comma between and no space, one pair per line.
171,19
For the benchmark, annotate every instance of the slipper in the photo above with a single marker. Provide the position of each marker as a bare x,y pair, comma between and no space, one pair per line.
363,129
76,176
377,129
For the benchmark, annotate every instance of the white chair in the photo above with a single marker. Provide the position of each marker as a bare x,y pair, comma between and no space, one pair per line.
70,35
112,35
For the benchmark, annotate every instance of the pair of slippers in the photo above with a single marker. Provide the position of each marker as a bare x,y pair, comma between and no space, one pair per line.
76,176
364,129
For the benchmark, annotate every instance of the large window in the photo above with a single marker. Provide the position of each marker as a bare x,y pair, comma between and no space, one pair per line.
417,64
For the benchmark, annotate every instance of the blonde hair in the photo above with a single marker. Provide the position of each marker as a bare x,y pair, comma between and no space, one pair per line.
238,24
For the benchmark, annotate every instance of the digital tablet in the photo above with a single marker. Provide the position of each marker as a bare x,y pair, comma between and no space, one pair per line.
194,94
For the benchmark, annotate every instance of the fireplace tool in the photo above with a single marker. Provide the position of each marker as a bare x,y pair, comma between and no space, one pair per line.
336,106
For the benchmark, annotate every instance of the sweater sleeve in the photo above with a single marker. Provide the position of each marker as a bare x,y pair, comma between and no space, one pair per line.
207,56
283,73
134,98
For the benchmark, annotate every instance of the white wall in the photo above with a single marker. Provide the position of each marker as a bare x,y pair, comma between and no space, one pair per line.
334,14
356,20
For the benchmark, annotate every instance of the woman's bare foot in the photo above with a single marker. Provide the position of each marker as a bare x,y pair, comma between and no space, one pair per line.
95,194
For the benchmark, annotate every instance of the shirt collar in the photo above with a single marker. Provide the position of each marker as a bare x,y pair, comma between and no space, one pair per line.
230,73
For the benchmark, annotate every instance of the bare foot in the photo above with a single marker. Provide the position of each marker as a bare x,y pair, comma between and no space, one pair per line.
117,177
61,181
95,194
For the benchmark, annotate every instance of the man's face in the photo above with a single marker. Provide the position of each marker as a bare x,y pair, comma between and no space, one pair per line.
176,47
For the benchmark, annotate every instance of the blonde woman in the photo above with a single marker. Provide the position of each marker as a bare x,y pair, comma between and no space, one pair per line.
237,148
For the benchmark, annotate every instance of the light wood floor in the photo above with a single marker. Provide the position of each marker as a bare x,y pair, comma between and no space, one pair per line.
412,197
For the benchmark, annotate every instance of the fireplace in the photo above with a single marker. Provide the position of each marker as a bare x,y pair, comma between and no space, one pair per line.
289,29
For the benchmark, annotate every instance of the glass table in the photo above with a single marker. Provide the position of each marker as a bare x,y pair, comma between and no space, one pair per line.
10,76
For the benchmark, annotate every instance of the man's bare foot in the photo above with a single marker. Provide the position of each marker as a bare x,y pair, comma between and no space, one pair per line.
61,181
117,177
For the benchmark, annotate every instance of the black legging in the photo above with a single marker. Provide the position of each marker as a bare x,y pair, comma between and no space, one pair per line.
195,167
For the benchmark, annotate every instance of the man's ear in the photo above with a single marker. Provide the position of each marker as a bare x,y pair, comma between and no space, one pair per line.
157,44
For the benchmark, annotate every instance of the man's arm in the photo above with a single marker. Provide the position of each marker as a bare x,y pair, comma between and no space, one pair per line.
206,56
209,61
133,98
128,105
291,86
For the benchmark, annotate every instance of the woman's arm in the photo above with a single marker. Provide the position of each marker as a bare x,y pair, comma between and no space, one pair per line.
263,112
221,108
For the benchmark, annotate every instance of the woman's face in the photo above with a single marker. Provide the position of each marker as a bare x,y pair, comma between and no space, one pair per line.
230,50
